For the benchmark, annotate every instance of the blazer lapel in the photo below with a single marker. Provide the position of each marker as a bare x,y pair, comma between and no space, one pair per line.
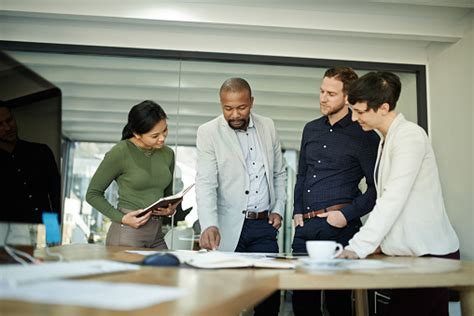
378,167
231,140
385,148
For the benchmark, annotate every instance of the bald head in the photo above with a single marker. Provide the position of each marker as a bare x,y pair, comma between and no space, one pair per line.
235,85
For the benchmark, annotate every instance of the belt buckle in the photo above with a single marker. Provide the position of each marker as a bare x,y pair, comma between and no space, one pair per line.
247,213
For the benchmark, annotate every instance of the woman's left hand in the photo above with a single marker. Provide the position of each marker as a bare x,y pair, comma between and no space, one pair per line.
169,211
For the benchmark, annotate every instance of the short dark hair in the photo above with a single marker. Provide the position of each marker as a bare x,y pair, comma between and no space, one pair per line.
142,118
235,85
376,88
346,75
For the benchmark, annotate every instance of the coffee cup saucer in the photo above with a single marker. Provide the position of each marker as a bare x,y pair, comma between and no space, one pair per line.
312,261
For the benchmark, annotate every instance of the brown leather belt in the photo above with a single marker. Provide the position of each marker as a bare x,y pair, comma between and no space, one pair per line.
255,215
336,207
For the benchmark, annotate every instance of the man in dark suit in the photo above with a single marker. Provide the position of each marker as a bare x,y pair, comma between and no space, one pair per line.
30,181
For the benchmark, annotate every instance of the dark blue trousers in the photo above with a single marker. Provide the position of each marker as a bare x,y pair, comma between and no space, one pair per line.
259,236
309,302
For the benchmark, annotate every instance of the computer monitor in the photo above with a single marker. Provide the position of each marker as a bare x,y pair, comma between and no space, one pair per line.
30,140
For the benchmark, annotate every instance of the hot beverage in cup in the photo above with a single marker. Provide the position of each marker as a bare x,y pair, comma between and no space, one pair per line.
323,249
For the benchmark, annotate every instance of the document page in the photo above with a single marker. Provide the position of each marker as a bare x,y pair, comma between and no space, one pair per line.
18,274
347,264
96,294
219,259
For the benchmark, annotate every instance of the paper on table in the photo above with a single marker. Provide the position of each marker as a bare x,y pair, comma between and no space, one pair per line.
220,259
18,274
345,264
96,294
223,260
143,252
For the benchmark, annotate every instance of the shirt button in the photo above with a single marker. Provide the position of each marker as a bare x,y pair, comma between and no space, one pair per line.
253,163
256,191
256,177
314,176
30,196
24,183
36,208
307,207
330,130
19,170
246,191
324,146
309,191
319,161
250,148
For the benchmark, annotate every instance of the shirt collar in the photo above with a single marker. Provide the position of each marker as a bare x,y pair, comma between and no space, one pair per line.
251,125
344,122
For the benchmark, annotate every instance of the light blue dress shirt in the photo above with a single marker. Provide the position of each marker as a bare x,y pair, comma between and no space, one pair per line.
259,196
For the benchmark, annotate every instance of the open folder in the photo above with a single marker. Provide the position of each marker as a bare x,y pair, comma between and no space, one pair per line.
225,260
165,201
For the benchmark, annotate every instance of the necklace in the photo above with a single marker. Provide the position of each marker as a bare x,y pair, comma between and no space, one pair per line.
148,152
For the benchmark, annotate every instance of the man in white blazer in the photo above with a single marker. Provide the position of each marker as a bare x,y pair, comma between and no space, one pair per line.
409,217
240,179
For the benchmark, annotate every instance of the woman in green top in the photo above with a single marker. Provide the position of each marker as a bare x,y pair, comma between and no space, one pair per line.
142,165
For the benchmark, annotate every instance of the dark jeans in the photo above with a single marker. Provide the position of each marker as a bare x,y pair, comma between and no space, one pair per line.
338,303
259,236
422,301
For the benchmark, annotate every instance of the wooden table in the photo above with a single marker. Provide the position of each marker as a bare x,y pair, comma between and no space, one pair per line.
421,272
227,292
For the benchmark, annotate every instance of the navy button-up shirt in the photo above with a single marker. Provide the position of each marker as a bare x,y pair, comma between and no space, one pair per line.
333,160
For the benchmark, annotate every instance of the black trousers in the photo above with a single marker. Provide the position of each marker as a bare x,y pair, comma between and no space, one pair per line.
421,301
338,303
259,236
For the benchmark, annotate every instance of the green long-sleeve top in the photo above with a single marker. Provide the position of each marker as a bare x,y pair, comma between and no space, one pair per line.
142,176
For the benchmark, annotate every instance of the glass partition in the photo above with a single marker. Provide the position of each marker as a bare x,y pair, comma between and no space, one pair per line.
98,92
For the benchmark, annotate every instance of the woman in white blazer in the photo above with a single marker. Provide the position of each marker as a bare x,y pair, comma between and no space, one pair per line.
409,217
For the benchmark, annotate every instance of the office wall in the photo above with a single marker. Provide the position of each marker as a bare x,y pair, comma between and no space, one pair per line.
451,86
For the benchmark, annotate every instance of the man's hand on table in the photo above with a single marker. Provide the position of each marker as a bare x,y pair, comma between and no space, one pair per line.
210,238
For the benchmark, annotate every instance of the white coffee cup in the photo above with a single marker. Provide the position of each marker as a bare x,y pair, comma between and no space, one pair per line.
323,249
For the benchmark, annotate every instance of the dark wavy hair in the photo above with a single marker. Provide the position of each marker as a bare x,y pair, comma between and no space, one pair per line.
346,75
376,88
142,118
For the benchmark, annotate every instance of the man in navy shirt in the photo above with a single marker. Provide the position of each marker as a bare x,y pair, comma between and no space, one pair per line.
336,154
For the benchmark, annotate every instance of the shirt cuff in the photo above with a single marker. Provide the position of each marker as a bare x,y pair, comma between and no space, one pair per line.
361,253
348,212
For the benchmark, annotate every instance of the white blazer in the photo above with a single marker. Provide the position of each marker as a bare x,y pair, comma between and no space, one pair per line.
222,177
409,217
